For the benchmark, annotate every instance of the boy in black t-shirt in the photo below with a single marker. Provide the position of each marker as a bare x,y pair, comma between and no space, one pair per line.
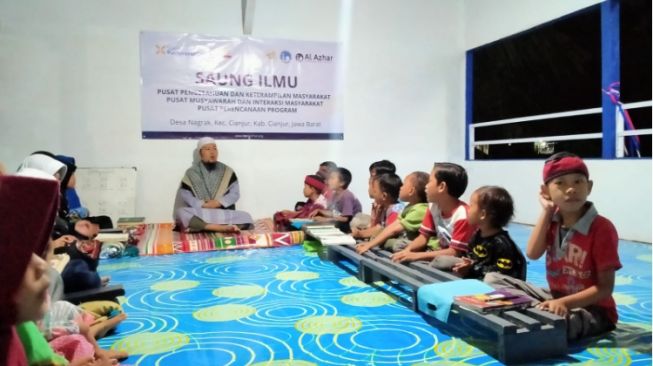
490,249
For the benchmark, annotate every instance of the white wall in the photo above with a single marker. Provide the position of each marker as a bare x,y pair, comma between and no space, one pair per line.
622,189
486,21
69,72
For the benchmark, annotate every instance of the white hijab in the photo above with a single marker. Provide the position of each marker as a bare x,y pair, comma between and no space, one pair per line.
42,163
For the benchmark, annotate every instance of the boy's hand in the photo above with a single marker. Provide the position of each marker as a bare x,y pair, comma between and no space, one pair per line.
90,361
362,248
555,306
321,219
545,200
404,256
462,268
314,213
62,241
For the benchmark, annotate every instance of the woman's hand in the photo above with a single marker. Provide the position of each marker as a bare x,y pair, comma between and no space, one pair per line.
212,204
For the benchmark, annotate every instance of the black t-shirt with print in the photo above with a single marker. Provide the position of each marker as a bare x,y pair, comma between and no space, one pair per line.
497,253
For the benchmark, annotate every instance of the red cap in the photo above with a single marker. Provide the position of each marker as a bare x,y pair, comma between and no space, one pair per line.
315,183
566,165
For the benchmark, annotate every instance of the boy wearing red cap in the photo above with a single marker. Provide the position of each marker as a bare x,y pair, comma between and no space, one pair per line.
313,187
580,247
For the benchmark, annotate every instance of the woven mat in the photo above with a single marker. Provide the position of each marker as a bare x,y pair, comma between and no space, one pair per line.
160,239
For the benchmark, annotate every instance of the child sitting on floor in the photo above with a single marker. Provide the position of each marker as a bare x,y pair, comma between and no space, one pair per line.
343,205
24,293
72,330
325,169
385,191
398,234
491,249
446,217
324,172
313,187
361,220
581,252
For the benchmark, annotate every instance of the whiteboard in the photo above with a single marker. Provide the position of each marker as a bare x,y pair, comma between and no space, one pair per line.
108,191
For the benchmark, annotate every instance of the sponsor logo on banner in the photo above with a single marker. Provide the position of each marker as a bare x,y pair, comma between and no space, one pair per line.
285,56
313,57
175,51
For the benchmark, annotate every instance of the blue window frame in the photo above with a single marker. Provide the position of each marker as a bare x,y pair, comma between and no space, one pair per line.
556,86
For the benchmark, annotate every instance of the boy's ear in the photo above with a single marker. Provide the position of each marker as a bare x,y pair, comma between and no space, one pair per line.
483,214
544,191
590,184
442,186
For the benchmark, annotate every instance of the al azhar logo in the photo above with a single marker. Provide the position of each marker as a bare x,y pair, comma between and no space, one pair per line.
285,56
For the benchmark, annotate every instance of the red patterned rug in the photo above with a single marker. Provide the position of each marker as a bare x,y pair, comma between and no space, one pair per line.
160,239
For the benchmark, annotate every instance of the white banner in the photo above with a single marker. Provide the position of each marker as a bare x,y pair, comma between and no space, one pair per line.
199,85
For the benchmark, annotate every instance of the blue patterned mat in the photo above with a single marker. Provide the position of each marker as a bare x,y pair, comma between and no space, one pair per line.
287,307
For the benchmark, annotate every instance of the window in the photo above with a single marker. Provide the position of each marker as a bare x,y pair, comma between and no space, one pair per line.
635,42
540,91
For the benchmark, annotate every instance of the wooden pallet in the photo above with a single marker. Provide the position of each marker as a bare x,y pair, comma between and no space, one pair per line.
520,335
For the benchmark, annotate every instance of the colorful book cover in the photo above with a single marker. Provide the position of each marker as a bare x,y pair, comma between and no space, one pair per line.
499,300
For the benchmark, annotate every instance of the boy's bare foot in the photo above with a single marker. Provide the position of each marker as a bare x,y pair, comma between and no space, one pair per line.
105,280
222,228
111,354
100,329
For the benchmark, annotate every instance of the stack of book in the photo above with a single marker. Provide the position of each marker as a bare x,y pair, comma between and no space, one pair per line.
130,222
495,301
112,237
328,235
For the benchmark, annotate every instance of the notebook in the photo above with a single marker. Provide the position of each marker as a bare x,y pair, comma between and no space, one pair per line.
495,301
329,235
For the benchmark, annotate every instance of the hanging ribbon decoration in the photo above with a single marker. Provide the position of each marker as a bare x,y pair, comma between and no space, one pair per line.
631,147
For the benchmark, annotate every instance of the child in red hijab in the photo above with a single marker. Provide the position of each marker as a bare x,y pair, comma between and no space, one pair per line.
27,210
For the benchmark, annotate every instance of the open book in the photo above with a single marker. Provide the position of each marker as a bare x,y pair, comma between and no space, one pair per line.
495,301
328,235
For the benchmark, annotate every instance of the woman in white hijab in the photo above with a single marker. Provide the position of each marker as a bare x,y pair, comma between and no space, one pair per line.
37,164
206,199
